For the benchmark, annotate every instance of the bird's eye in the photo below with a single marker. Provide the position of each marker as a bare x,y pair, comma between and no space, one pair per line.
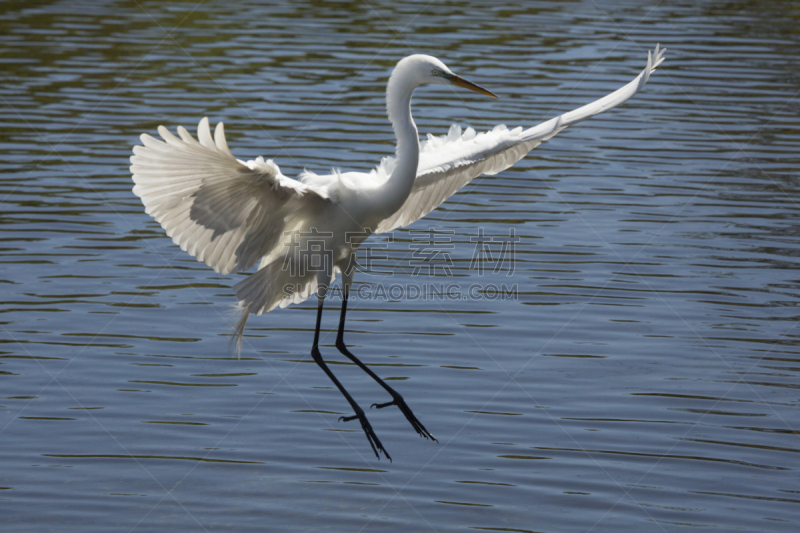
435,72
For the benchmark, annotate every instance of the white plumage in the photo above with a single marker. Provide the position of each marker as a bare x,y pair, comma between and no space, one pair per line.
449,162
230,213
223,211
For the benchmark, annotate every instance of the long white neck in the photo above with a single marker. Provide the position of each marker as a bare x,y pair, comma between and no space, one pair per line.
393,194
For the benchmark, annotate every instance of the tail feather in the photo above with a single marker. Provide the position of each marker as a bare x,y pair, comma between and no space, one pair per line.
267,288
272,286
235,346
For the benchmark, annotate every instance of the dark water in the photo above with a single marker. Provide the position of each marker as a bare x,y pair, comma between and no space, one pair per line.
645,378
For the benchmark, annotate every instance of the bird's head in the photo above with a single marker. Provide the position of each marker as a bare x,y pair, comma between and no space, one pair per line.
427,69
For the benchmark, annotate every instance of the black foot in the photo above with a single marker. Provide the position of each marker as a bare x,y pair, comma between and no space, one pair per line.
416,424
373,439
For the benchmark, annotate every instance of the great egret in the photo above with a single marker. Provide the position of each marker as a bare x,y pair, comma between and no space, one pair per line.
229,213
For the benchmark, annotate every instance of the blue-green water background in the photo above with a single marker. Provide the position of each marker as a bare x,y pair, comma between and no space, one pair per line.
645,379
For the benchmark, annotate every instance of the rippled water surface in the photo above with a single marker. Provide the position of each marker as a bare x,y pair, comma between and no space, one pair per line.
645,377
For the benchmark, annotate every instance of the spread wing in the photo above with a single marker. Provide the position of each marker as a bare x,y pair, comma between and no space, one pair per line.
223,211
448,163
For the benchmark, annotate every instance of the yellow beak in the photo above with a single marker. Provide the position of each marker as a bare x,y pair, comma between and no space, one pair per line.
461,82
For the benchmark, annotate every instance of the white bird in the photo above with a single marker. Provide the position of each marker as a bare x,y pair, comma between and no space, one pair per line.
230,214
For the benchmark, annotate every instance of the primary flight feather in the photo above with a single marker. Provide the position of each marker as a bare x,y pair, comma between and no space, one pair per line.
231,214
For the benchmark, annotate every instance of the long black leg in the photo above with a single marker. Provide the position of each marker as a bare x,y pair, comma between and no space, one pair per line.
396,398
373,439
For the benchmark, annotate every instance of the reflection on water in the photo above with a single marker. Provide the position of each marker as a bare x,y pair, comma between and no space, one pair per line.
644,378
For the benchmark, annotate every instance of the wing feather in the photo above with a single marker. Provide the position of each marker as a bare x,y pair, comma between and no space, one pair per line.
448,163
225,212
